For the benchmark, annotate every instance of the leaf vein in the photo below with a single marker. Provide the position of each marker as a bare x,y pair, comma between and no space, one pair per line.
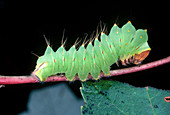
150,100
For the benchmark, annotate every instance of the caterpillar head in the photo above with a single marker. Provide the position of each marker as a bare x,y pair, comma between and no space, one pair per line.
43,68
138,58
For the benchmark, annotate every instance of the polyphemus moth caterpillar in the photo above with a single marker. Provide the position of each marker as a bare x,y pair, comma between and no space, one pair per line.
125,44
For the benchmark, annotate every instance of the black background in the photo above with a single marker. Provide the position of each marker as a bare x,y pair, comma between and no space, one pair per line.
23,24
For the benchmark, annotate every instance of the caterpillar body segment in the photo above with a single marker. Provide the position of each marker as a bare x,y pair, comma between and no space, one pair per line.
128,32
82,63
126,44
61,59
72,63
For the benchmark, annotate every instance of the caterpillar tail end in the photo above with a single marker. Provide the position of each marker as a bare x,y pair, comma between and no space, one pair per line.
38,78
38,72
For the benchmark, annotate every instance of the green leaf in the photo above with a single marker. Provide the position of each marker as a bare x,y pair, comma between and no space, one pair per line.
115,98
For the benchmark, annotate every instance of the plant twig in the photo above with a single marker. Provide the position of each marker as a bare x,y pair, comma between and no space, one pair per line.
4,80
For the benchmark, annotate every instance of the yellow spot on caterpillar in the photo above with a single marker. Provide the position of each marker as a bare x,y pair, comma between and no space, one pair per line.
115,24
120,46
129,21
148,49
71,79
146,30
94,63
141,37
83,80
126,43
96,78
108,73
133,46
73,45
138,52
84,65
63,65
83,45
96,38
102,33
128,30
104,59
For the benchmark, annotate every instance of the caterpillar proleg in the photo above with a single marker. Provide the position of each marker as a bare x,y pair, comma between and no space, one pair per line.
125,44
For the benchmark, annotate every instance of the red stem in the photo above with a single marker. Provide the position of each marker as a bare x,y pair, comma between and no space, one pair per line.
4,80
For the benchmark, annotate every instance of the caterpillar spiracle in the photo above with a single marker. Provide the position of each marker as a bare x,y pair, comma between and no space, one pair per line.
125,44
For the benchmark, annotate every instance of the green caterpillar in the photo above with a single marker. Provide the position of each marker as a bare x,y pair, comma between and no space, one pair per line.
126,44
